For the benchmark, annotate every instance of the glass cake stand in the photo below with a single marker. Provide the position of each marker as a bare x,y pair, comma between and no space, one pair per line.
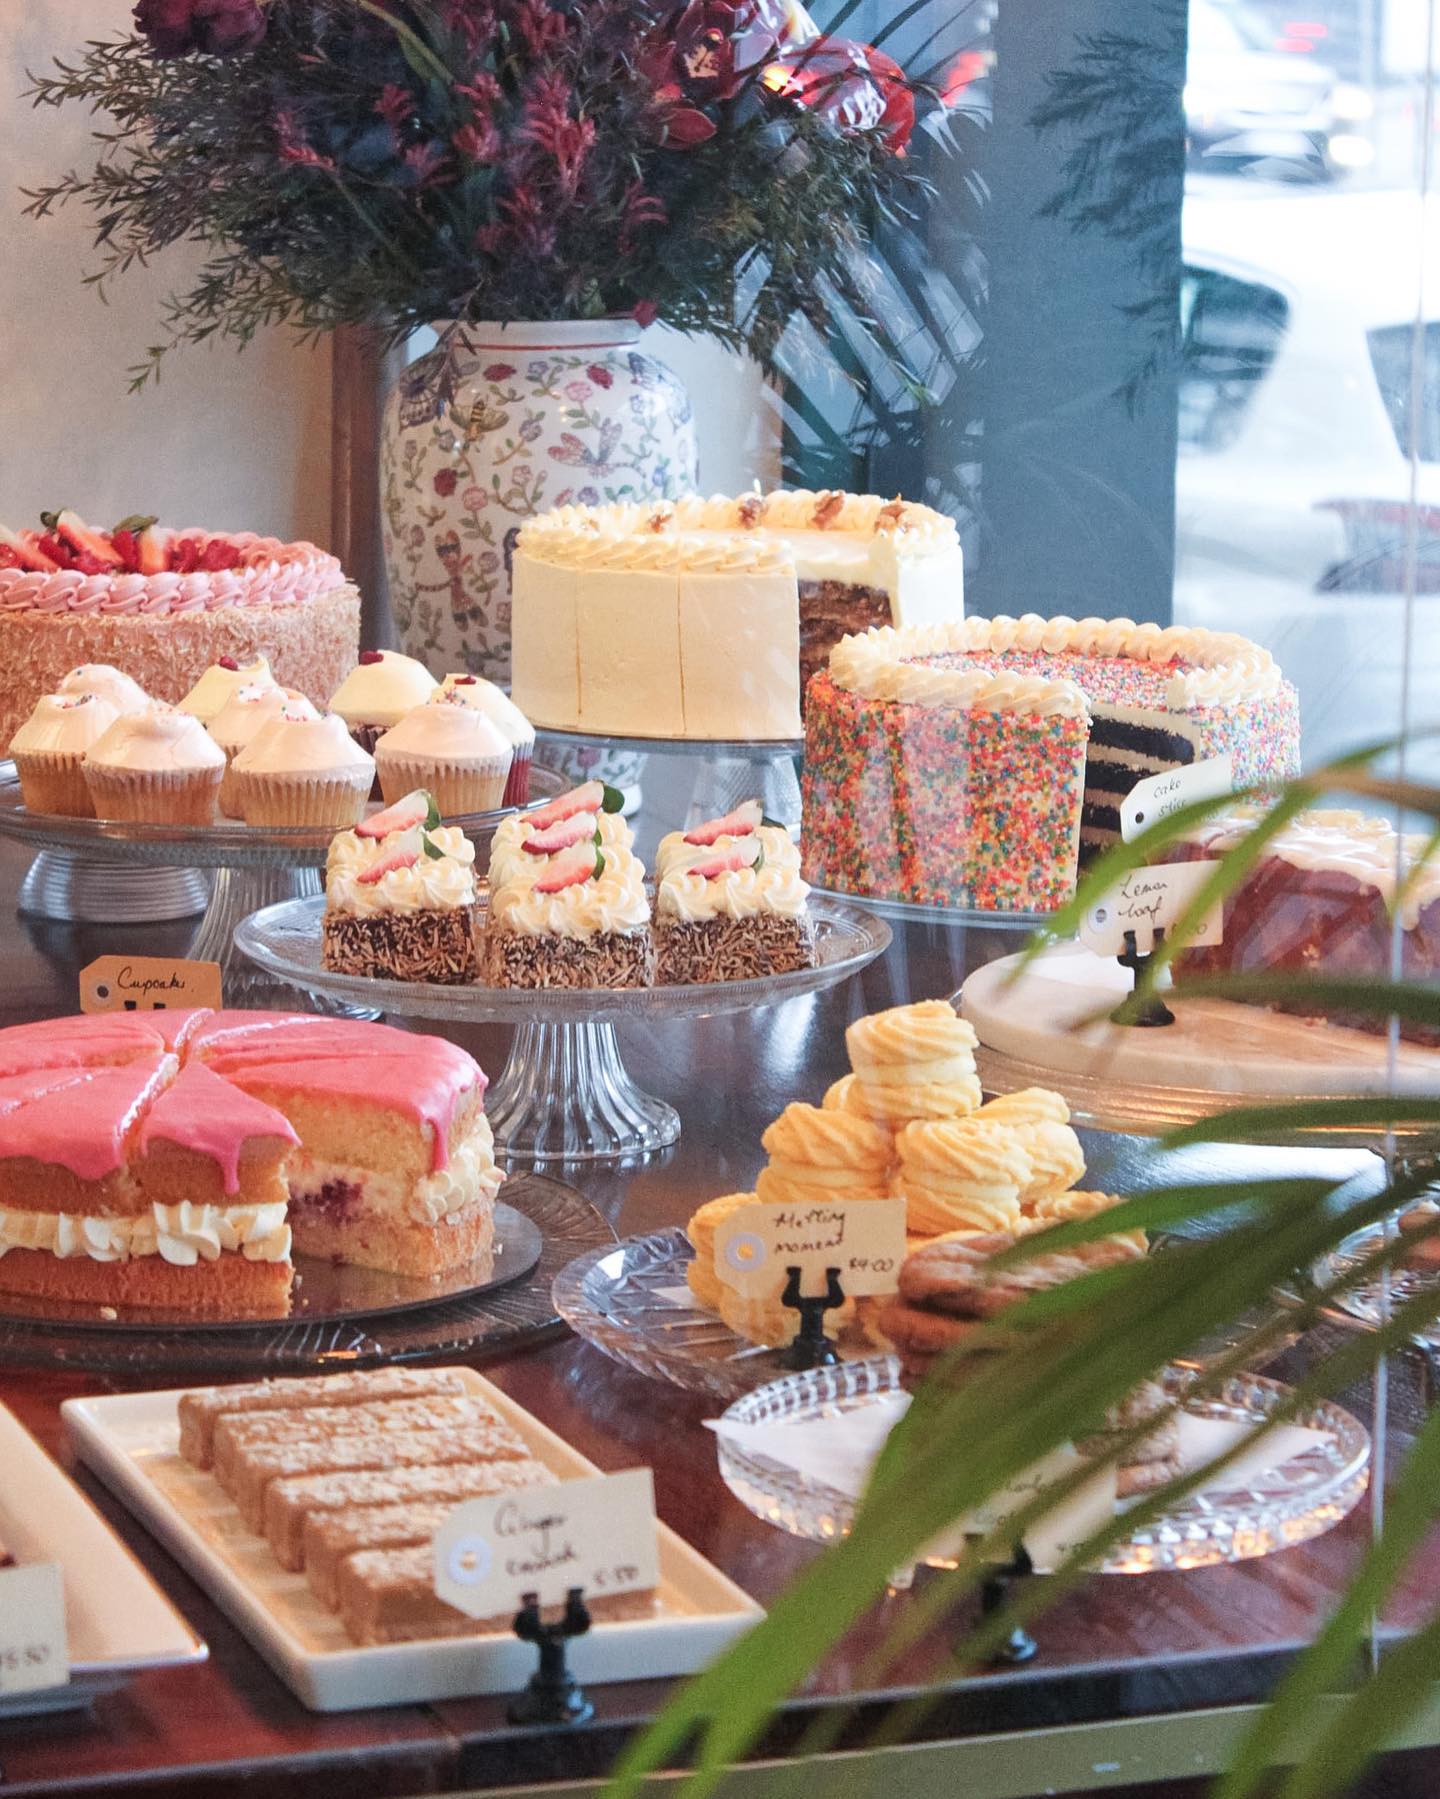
346,1318
731,769
1242,1517
630,1300
1370,1303
564,1093
107,872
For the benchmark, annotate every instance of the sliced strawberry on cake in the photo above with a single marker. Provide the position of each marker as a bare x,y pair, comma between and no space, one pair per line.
724,910
523,840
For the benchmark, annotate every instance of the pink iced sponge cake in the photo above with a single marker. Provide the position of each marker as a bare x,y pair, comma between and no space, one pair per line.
165,605
976,763
171,1158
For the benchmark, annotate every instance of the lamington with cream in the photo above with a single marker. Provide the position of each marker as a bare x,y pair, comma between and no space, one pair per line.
724,909
567,901
400,899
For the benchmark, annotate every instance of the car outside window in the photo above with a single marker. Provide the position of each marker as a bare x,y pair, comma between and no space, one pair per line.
1231,331
1390,349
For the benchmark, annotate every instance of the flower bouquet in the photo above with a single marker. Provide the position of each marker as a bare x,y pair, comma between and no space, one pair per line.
712,163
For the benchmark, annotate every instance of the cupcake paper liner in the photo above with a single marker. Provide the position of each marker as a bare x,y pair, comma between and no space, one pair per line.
336,800
161,796
478,787
54,781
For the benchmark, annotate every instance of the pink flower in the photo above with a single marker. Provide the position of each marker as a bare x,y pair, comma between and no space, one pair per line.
498,371
445,482
293,147
474,499
578,391
213,27
477,142
395,104
600,375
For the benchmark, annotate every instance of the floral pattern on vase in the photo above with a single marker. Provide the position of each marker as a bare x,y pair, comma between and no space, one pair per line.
515,421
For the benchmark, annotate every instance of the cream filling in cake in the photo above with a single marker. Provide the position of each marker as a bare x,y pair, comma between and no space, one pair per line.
183,1234
343,1190
434,884
615,901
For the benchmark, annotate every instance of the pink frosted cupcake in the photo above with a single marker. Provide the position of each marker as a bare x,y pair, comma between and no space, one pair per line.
241,717
155,767
50,749
302,769
378,692
501,710
451,749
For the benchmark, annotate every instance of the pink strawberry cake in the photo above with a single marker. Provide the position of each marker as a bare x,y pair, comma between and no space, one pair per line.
400,897
165,605
568,906
729,902
169,1158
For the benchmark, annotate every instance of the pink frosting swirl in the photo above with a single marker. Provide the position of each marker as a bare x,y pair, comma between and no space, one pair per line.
271,574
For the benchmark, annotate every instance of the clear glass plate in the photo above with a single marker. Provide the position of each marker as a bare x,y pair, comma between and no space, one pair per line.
286,941
1286,1505
225,844
439,1324
625,1299
1371,1302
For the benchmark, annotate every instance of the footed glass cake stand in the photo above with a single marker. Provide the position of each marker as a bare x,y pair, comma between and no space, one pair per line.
101,871
565,1093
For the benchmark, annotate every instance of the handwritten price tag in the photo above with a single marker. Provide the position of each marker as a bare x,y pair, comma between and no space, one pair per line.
1158,796
1148,900
33,1651
863,1238
1051,1538
148,983
597,1534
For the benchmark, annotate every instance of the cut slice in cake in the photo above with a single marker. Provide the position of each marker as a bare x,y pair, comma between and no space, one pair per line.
396,1168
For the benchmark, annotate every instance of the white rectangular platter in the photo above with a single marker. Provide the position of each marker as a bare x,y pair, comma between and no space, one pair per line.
131,1441
117,1621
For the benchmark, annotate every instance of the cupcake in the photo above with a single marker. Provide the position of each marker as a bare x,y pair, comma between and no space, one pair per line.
238,720
155,767
49,750
221,681
450,748
302,769
501,710
116,689
378,692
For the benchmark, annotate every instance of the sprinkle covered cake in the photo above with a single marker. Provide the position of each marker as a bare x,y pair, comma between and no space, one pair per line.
704,618
973,764
165,606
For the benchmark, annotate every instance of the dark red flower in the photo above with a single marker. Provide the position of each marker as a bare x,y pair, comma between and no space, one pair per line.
855,86
395,104
214,27
541,26
498,371
685,126
600,375
641,210
644,312
446,481
477,142
426,163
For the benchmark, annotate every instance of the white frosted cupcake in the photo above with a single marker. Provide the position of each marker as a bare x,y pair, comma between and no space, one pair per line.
378,692
50,748
454,751
244,714
221,681
115,688
500,709
302,768
158,766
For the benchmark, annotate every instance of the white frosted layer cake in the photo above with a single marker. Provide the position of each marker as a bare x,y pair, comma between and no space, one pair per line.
704,618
